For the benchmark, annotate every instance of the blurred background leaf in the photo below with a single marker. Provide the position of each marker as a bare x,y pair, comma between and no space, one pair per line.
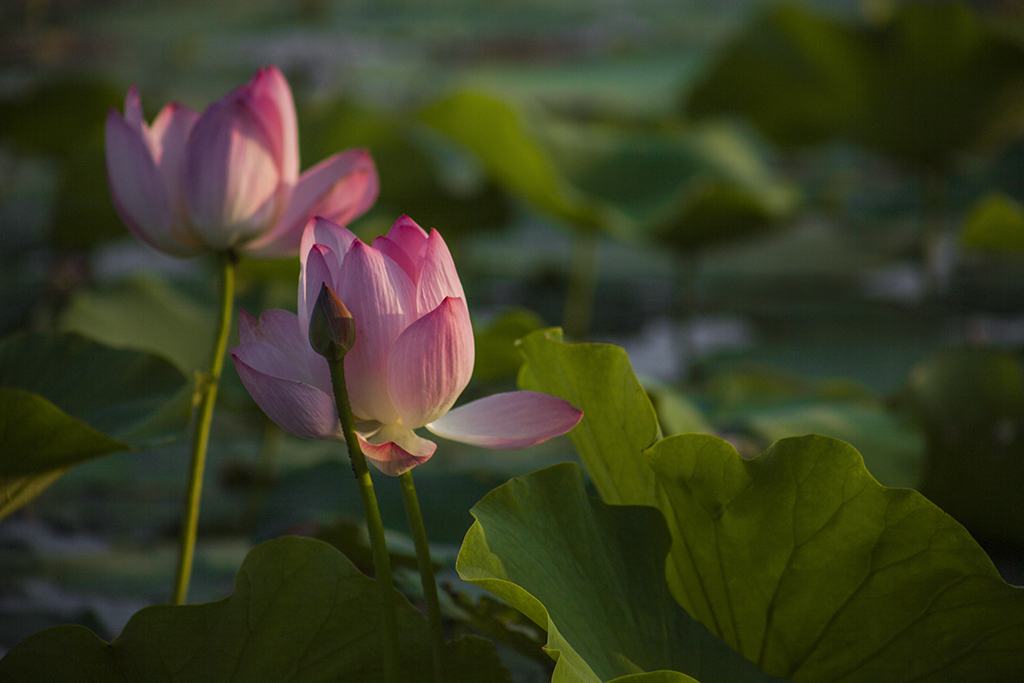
970,404
67,399
500,138
923,85
146,313
995,224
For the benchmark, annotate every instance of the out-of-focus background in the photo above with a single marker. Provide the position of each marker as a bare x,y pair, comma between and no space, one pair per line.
795,217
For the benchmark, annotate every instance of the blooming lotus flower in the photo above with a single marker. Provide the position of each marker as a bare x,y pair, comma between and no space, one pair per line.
412,355
229,178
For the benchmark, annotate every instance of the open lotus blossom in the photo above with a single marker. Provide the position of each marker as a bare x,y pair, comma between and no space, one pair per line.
229,178
412,355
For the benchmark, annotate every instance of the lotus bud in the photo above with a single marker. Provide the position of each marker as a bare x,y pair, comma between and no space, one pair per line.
332,331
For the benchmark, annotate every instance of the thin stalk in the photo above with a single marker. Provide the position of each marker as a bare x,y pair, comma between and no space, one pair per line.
579,299
419,537
381,561
207,395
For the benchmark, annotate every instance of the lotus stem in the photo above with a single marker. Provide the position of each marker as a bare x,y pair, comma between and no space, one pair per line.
426,565
207,398
378,545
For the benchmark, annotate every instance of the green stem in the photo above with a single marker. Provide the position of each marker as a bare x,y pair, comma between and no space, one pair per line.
419,537
579,299
207,392
381,561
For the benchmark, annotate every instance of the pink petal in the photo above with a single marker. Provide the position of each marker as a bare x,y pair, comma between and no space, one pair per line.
438,277
339,189
396,254
271,99
322,265
167,139
280,329
138,190
133,109
395,449
431,363
296,407
408,236
322,231
381,298
515,419
248,328
232,181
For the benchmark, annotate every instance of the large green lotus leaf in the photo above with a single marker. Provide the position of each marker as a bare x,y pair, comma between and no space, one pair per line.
300,611
593,576
146,313
996,223
618,417
805,564
798,558
512,155
38,437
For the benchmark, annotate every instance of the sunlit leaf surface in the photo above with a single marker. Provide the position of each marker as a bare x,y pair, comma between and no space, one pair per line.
593,576
799,558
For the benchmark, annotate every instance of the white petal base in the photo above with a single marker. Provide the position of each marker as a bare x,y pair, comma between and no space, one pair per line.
515,419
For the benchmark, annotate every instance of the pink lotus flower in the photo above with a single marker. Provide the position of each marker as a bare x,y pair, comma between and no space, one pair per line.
228,179
412,356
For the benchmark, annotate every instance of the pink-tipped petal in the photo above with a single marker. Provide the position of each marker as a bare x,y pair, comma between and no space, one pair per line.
271,98
232,181
319,230
438,277
431,363
396,254
269,360
395,449
248,328
138,190
381,298
296,407
322,265
133,109
280,329
168,137
340,189
410,237
515,419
